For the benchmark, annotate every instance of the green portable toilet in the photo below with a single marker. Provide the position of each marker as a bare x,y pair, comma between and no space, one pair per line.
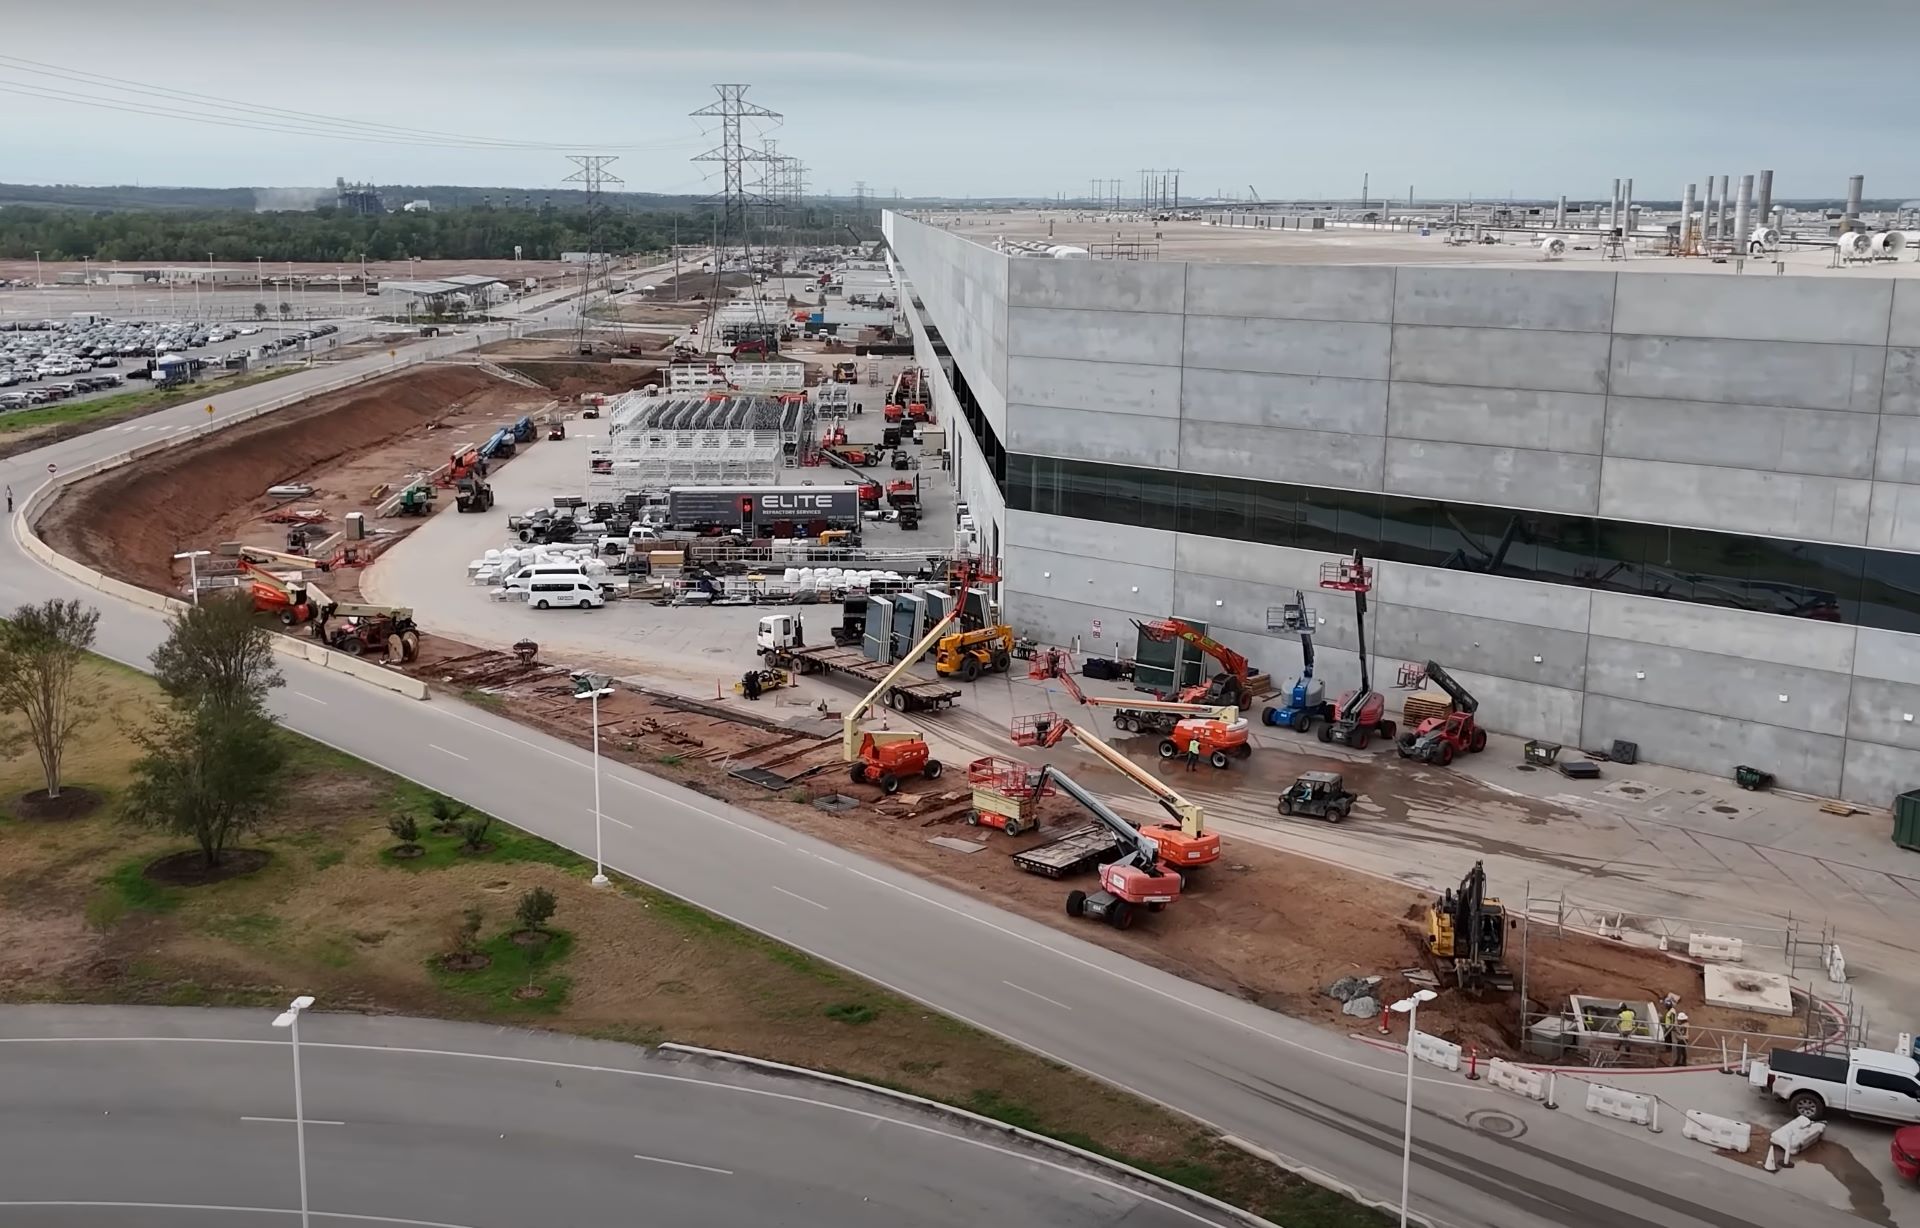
1906,820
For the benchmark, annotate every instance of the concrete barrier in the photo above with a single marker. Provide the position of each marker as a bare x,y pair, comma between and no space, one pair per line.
1706,946
1619,1105
1836,965
1436,1052
1721,1133
1792,1139
1510,1077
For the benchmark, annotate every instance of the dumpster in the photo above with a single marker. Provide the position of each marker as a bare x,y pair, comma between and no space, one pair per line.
1906,820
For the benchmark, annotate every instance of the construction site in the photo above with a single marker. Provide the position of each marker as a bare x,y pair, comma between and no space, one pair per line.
794,642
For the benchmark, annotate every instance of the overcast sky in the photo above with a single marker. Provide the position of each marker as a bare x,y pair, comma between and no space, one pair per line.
991,97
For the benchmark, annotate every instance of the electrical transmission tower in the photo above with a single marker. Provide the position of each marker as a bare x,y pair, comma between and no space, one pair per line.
733,154
591,175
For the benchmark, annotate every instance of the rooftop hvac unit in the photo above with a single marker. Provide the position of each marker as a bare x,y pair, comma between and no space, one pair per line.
1888,244
1553,247
1763,239
1853,245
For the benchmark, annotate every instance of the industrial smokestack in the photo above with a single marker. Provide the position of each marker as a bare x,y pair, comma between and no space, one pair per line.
1743,214
1560,215
1856,185
1626,206
1706,210
1720,221
1764,209
1686,220
1613,209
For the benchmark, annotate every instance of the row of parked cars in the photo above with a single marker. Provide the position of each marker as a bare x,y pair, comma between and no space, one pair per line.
26,398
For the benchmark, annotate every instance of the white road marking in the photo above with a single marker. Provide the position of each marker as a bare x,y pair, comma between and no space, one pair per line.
1044,998
289,1211
705,1168
310,699
443,750
287,1121
609,818
803,899
587,1068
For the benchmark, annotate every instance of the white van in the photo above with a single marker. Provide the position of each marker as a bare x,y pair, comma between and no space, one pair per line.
520,581
563,591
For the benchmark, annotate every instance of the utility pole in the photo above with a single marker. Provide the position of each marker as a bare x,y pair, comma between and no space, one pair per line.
1363,189
592,173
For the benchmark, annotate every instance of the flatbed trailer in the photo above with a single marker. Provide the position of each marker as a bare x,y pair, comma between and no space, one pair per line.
910,694
1079,849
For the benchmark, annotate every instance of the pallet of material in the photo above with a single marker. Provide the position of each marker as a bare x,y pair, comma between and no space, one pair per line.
1077,850
1424,705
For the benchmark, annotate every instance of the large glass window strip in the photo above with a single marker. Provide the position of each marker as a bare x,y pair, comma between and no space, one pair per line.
1823,582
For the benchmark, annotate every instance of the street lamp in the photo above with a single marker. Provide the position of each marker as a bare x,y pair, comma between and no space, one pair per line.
290,1019
193,558
1410,1007
591,687
38,281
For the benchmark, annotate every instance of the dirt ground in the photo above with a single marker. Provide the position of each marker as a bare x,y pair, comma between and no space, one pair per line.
1271,927
568,377
347,445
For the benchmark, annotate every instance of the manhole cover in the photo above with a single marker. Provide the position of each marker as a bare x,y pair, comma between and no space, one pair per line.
1726,810
1501,1125
1526,767
1635,790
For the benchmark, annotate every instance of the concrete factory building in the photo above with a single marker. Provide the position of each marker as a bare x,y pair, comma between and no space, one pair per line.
1646,499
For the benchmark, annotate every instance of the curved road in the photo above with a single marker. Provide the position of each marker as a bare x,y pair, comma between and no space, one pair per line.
1317,1099
158,1118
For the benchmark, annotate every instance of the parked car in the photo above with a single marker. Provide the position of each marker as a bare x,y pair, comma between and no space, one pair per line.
1866,1083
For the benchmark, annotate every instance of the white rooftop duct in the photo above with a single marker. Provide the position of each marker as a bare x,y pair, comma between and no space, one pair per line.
1553,247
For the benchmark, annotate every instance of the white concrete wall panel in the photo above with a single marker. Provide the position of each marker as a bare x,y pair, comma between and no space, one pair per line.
1764,437
1490,646
1887,713
1904,328
1890,655
1739,500
1554,300
1525,709
1291,292
1287,347
1724,686
1875,775
1827,647
1067,535
1803,376
1097,336
1317,458
1107,387
1089,580
1824,309
1901,381
1895,522
1501,358
1689,738
1117,439
1561,421
1505,477
1096,285
1897,456
1301,402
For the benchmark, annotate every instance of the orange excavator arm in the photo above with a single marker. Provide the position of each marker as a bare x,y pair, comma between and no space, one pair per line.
1174,628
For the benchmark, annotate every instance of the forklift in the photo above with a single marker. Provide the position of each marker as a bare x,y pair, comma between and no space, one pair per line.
1467,931
1440,739
1359,715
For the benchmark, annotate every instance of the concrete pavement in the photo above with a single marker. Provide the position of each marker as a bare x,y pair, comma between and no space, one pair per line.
179,1112
1319,1100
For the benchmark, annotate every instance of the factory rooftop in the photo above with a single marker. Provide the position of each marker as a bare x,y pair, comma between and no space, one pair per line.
1123,237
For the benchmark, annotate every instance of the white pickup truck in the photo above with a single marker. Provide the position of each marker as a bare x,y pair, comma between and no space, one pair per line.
1865,1083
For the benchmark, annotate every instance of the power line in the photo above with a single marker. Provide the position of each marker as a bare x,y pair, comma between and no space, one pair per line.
262,117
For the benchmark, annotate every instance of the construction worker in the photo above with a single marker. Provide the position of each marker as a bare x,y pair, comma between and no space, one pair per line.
1678,1038
750,684
9,499
1625,1025
1669,1016
1193,754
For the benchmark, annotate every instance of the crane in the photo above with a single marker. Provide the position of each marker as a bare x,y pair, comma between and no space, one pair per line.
1185,842
1137,880
1229,686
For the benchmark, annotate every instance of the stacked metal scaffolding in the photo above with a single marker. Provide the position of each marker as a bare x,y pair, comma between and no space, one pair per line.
655,442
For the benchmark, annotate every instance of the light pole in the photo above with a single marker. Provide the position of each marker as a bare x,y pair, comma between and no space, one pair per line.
38,281
1410,1007
193,558
290,1020
591,687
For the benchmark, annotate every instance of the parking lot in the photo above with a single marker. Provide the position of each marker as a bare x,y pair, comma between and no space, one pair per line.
43,361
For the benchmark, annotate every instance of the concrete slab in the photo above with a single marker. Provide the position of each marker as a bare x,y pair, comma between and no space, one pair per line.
1640,791
957,845
1748,989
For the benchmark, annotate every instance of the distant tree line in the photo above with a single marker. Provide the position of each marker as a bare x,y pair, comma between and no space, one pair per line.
233,236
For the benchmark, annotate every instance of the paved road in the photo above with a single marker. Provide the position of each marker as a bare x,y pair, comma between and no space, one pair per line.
169,1113
1321,1100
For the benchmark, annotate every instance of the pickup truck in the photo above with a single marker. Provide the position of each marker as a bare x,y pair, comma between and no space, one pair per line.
1866,1083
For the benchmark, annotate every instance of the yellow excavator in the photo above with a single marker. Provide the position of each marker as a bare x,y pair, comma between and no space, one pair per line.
1467,934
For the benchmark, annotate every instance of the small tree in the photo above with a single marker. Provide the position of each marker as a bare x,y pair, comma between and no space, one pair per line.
286,309
405,829
41,648
445,811
466,935
208,773
473,831
217,655
259,311
536,909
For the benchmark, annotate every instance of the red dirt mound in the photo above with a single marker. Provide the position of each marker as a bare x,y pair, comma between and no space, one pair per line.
129,522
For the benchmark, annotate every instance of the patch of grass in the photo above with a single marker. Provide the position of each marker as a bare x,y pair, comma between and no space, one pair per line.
123,405
670,760
700,922
252,929
483,699
852,1012
326,859
510,845
493,986
125,889
332,950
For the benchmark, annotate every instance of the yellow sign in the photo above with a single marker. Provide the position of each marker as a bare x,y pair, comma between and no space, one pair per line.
209,409
393,353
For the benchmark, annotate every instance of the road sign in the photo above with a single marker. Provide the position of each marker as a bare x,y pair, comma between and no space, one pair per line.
50,467
209,409
1096,628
